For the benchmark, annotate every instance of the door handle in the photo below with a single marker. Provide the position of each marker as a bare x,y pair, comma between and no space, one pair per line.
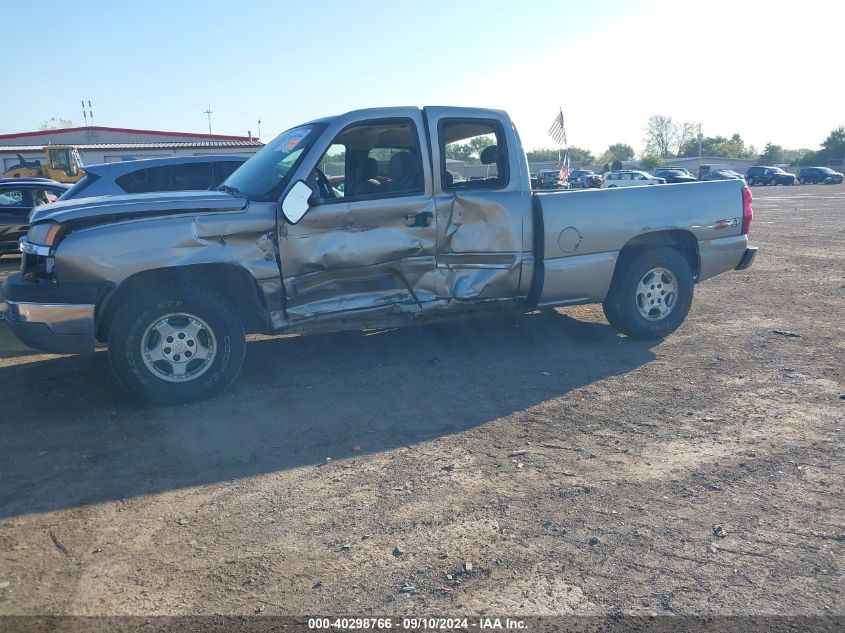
422,218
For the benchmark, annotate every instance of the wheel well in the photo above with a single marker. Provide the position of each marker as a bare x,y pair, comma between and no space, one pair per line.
682,241
231,282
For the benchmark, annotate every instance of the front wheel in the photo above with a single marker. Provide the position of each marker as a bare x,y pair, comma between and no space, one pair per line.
176,345
651,294
772,182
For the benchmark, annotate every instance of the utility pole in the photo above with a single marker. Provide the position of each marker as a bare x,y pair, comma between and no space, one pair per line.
699,150
208,113
259,129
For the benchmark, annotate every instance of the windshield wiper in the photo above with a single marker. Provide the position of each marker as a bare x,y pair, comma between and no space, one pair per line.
227,189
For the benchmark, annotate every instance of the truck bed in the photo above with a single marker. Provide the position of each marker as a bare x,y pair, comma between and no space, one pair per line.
580,233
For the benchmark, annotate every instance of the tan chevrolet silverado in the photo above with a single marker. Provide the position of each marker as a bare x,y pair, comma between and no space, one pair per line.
358,221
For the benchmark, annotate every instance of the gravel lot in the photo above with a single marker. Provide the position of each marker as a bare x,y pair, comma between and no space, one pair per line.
699,475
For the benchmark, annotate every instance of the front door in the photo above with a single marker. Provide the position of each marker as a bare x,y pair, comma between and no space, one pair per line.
367,244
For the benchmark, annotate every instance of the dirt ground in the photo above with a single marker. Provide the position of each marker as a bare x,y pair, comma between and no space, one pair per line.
699,475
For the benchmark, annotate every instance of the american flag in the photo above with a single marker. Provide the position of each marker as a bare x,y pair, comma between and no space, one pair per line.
557,131
564,167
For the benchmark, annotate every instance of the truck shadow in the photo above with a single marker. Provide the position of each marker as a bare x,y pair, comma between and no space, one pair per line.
72,437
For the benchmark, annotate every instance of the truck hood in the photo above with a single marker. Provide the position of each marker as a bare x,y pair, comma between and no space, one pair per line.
138,205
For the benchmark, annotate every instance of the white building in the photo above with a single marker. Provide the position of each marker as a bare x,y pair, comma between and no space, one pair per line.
99,144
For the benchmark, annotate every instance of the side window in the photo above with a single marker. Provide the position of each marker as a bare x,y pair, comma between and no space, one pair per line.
624,176
11,198
473,155
222,170
187,177
375,159
135,181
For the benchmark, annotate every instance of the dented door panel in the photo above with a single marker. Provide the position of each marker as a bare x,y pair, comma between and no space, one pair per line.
479,244
483,238
359,255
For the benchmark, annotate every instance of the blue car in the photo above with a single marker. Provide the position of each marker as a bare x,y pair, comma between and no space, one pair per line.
180,173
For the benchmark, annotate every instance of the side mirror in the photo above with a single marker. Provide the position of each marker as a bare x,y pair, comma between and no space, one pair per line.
297,202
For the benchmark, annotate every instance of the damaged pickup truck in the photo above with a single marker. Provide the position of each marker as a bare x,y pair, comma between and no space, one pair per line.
354,221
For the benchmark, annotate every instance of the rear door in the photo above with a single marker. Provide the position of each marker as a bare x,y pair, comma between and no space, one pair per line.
368,248
484,238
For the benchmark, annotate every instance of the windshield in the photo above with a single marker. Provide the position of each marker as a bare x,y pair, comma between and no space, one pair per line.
264,175
826,170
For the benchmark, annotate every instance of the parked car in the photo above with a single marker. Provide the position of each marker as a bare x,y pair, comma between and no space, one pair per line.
674,174
818,175
763,175
179,173
579,178
630,178
18,196
722,174
593,181
549,179
275,250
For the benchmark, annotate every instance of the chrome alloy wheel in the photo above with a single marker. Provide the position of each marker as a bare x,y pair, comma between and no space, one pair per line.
657,294
178,347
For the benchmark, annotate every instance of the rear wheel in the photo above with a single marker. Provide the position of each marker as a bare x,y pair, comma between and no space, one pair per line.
178,345
801,181
651,294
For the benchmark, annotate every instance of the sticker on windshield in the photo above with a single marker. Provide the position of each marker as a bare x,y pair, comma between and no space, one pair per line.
293,139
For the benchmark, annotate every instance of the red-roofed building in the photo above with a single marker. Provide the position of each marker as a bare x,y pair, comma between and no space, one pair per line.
100,144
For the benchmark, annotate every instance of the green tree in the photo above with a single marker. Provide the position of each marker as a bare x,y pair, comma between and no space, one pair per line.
470,151
733,147
772,155
661,135
832,149
541,155
617,151
650,162
576,155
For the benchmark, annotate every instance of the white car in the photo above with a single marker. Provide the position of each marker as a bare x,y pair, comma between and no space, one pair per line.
630,178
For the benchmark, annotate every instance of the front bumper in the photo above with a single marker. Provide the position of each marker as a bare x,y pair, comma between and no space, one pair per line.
747,258
57,318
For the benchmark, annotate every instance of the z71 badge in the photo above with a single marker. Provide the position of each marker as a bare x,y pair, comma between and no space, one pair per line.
724,224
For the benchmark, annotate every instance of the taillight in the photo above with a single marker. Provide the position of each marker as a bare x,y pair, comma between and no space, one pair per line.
747,213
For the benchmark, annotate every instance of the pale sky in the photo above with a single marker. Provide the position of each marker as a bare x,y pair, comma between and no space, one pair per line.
769,70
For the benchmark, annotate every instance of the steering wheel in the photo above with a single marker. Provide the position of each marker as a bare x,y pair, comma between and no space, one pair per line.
323,184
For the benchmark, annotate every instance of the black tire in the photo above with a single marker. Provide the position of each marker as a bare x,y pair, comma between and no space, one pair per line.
772,182
131,325
621,307
801,181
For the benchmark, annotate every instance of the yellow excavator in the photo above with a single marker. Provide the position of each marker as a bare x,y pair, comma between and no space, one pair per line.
63,165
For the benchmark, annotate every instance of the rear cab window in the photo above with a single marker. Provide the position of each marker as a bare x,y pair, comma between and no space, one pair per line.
473,155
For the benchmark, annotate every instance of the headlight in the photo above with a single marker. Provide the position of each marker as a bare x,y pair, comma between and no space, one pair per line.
44,234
